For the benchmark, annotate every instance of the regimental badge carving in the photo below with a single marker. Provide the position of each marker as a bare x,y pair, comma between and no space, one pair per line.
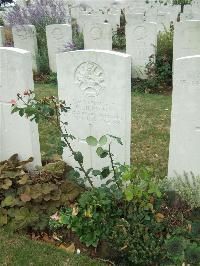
140,33
96,33
90,78
57,33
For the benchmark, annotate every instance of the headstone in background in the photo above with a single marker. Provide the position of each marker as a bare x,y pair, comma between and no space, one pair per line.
24,37
141,41
59,36
97,36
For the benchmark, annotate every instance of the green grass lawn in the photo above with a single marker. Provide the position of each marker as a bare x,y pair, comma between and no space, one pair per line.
150,130
17,250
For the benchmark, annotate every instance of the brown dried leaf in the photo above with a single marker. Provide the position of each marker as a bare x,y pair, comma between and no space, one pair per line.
25,197
69,249
159,217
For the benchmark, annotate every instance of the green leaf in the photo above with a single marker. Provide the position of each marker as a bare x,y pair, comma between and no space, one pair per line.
7,183
92,141
96,172
105,172
126,176
3,217
103,140
101,152
21,112
8,202
117,139
74,174
78,157
23,180
129,193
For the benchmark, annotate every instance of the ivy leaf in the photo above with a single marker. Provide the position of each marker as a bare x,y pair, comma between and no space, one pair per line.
78,157
92,141
101,152
103,140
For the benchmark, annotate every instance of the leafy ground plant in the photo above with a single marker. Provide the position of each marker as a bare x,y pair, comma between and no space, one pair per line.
135,221
130,204
28,199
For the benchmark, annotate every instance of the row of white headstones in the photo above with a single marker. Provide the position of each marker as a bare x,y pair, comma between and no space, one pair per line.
141,39
97,86
141,36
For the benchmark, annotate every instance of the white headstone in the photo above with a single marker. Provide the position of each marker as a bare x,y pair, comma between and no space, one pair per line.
58,37
113,19
25,38
90,18
97,36
184,152
134,19
17,134
97,86
141,40
186,38
2,36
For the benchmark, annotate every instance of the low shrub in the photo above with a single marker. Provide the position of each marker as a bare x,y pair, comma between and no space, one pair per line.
77,37
159,69
142,224
119,39
50,78
188,187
